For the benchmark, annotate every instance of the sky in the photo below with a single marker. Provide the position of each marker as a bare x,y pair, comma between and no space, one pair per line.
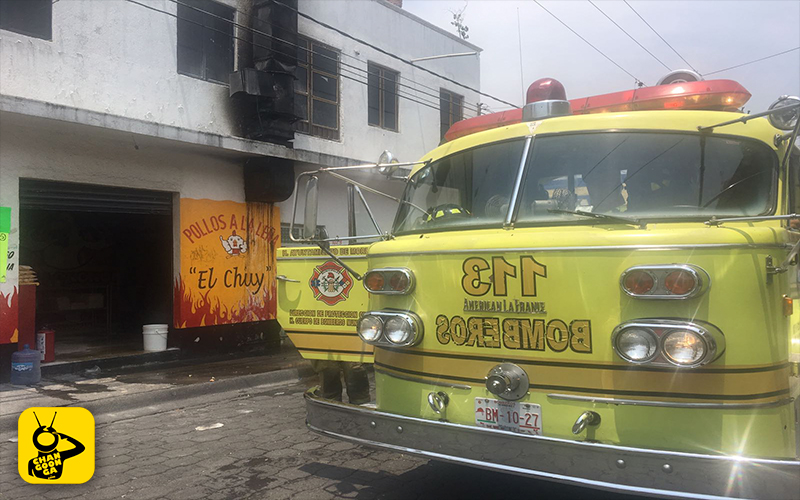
710,35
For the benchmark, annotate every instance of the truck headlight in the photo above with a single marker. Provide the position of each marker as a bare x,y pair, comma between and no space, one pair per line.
370,328
684,348
668,342
398,330
637,345
390,328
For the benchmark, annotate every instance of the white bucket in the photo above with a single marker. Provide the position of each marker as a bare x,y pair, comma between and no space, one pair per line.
155,337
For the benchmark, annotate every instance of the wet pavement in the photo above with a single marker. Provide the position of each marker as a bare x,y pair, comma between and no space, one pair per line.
95,386
192,372
254,444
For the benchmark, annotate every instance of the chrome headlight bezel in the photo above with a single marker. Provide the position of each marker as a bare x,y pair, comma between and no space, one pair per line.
712,338
387,272
659,273
412,319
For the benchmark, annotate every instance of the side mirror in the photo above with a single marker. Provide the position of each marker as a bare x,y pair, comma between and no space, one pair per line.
785,120
387,163
312,203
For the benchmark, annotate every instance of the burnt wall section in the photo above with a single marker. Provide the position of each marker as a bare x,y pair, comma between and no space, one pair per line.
262,91
268,179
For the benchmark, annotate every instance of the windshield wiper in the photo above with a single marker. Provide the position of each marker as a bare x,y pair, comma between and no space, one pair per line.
616,218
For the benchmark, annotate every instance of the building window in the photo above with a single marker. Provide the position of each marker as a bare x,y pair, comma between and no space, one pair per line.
382,97
28,17
316,100
451,109
205,42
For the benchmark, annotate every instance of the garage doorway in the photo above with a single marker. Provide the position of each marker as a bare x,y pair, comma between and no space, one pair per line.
103,258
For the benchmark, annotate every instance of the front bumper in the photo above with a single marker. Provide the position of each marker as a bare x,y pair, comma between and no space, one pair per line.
617,468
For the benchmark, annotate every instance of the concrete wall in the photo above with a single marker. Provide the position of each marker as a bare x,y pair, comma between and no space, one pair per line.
119,58
407,36
113,57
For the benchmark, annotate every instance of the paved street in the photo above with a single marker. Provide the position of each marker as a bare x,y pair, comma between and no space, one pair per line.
261,450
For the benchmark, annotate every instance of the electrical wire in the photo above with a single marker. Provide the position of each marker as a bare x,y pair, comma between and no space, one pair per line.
344,54
395,56
661,37
416,99
312,53
521,72
309,51
630,36
288,30
638,81
751,62
348,77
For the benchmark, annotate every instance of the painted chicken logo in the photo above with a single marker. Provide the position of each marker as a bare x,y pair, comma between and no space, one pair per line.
234,245
331,283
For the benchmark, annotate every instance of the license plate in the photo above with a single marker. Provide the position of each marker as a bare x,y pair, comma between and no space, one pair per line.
524,418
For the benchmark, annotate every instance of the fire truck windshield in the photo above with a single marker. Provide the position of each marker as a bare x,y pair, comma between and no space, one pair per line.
642,175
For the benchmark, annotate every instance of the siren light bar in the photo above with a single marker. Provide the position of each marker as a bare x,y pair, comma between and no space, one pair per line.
712,95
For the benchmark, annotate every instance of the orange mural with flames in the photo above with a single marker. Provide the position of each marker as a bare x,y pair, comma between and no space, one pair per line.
227,271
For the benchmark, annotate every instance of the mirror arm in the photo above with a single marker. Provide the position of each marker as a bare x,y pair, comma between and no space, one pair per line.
375,191
366,206
372,165
789,146
362,186
747,118
338,260
331,171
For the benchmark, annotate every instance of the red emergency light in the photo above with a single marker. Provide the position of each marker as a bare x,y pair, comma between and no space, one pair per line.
545,89
713,95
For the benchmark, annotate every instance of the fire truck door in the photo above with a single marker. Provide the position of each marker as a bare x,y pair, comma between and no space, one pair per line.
319,300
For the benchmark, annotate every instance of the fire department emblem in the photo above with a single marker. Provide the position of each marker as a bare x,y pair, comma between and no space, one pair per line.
331,283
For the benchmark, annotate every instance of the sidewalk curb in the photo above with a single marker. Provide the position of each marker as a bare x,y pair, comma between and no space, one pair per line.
8,423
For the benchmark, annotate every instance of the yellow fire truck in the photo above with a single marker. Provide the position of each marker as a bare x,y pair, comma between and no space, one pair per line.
597,291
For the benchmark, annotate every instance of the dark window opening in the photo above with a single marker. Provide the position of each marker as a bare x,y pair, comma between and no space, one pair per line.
205,42
451,110
317,89
27,17
382,104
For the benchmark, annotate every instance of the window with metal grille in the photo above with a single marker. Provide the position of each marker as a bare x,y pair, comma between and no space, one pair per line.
382,105
316,100
451,109
28,17
205,40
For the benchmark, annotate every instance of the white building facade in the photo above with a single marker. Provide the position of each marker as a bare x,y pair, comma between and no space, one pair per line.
142,192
